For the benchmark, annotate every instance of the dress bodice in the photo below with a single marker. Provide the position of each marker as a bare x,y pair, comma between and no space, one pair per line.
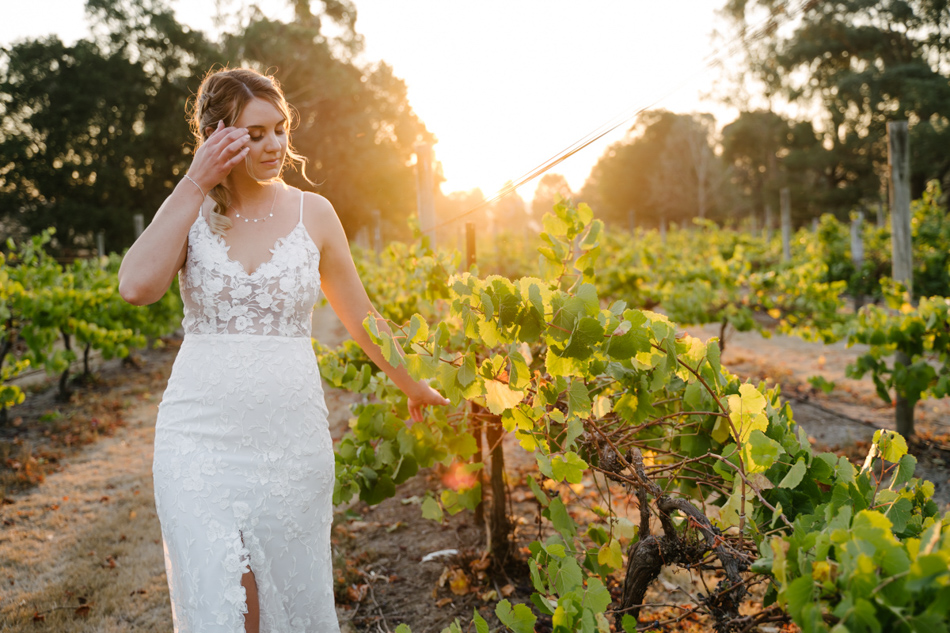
277,299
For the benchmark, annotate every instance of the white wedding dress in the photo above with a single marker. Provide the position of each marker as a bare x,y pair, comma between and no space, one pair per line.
244,462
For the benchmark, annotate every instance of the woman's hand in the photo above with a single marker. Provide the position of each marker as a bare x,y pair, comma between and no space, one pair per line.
423,397
221,151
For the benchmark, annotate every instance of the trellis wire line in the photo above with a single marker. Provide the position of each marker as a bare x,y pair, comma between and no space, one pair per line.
712,60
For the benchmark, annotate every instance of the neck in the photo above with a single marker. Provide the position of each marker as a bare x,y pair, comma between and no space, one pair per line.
248,192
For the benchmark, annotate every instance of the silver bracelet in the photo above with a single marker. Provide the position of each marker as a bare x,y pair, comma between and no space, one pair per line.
195,183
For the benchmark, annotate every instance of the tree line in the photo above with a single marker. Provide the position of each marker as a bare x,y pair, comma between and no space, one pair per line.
845,69
94,132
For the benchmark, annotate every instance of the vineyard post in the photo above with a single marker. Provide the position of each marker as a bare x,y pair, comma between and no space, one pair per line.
663,230
857,251
138,224
881,218
377,233
632,219
898,159
425,191
898,162
101,243
768,221
469,245
786,202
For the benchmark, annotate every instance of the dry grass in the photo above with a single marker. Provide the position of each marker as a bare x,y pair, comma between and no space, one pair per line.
82,552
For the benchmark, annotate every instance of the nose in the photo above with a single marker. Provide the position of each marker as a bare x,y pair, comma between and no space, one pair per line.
273,144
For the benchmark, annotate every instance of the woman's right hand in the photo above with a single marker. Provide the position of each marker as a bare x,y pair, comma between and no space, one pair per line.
221,151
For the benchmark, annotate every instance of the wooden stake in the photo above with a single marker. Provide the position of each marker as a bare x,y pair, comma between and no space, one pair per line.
786,211
425,192
898,162
469,245
857,251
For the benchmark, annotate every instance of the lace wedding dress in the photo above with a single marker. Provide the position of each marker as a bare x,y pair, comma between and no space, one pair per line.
243,461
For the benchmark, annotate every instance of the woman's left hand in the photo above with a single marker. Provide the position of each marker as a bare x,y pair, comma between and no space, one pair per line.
424,396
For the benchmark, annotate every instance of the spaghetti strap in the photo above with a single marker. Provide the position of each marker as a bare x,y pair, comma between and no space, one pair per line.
301,206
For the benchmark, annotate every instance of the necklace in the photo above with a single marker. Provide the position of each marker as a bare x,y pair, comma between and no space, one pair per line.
237,214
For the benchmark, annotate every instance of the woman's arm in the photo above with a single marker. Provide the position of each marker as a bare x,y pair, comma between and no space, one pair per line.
150,266
342,286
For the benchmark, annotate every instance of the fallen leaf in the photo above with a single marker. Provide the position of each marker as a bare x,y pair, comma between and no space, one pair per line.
458,582
444,601
488,596
507,590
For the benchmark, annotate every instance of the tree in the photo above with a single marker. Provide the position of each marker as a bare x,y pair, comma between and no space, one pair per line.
550,186
689,172
355,122
94,132
859,64
665,168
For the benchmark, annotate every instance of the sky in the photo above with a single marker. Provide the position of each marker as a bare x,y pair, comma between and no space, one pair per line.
503,84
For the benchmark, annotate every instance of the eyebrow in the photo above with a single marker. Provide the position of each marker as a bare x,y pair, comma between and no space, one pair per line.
261,127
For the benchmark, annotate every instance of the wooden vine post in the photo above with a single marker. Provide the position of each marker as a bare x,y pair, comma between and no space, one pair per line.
425,192
786,211
857,251
898,162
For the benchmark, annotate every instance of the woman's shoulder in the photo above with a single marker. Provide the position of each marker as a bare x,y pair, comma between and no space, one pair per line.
315,204
319,218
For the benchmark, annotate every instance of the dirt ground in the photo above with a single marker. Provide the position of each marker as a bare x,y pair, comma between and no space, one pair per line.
82,551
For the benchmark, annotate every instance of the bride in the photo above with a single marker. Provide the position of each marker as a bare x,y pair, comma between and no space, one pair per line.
243,463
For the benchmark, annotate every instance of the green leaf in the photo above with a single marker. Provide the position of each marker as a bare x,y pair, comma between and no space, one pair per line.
481,626
905,470
578,399
562,521
794,475
468,370
432,510
568,467
899,513
403,628
520,619
892,445
799,593
629,623
760,452
588,294
539,494
499,397
597,598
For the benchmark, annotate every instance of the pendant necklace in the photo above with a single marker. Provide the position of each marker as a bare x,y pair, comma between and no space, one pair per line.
237,214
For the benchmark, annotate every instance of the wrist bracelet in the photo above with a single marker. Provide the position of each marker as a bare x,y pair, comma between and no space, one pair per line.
195,183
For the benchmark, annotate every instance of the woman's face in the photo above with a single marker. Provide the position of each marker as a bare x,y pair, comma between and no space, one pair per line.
267,128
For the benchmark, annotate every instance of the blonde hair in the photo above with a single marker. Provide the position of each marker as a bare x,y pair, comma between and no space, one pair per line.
222,96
